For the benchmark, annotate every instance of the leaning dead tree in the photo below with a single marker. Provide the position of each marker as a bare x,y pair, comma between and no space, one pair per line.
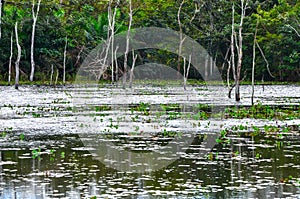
18,57
236,44
127,44
34,17
255,44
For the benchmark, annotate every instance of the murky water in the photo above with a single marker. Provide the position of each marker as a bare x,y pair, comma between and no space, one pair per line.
45,152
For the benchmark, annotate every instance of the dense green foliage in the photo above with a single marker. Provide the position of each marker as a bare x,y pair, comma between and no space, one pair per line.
85,24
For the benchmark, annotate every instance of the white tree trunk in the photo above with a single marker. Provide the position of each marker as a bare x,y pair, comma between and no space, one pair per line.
206,67
10,58
253,64
236,68
56,78
244,4
116,64
112,21
111,35
127,44
263,55
211,65
65,57
180,37
186,71
228,73
232,45
18,57
51,75
34,17
134,57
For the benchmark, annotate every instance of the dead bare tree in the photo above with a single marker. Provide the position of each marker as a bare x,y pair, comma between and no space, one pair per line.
225,60
111,23
17,64
127,44
186,71
263,55
51,75
117,67
198,5
232,50
180,37
10,57
206,66
255,43
134,57
238,42
34,17
228,73
291,27
64,63
253,63
56,78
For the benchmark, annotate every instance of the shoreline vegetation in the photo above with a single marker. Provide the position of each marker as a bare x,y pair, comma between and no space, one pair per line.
191,82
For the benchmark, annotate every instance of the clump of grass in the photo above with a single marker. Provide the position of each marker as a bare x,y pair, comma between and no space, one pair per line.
144,108
260,111
170,107
102,108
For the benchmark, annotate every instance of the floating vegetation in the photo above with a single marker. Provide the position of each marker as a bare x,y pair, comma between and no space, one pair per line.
260,111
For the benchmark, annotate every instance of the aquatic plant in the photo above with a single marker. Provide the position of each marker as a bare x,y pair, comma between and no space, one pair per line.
260,111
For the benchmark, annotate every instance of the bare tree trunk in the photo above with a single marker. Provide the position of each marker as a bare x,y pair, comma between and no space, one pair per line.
239,45
181,39
10,57
79,56
64,64
228,75
206,67
111,35
112,21
34,17
127,45
186,71
18,58
56,79
116,64
134,57
211,65
244,4
225,60
263,55
253,64
291,27
232,46
51,76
